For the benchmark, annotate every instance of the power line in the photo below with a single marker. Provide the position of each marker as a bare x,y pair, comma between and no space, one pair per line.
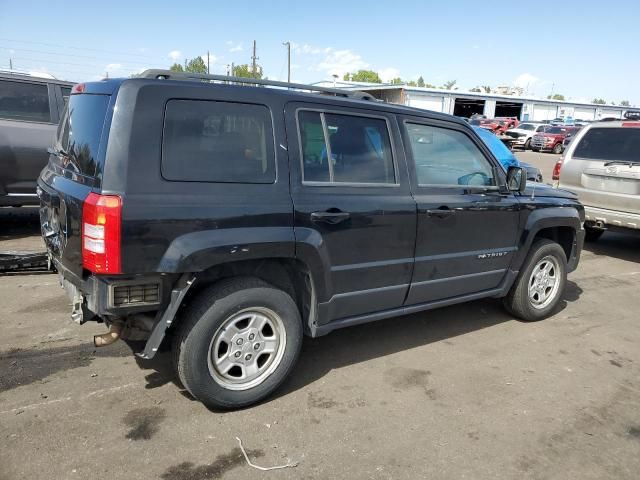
72,47
93,57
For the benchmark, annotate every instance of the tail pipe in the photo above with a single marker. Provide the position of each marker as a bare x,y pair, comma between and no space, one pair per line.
108,338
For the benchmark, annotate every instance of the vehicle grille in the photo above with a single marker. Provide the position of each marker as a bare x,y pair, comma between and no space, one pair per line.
136,294
537,142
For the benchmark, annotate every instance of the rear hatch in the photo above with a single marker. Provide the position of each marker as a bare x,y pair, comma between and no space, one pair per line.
74,170
604,168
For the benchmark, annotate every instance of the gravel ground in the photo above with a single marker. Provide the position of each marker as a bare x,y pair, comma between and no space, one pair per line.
460,392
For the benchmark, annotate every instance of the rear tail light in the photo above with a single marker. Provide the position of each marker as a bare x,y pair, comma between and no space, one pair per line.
78,88
101,220
631,124
556,169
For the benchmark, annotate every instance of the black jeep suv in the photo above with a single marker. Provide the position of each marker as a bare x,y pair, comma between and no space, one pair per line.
235,219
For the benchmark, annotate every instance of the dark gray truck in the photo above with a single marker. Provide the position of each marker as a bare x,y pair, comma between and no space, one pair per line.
30,109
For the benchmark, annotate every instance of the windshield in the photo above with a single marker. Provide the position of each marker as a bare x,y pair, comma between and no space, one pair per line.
526,126
610,144
556,130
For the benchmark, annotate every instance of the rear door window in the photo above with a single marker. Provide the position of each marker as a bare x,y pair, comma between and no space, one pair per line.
24,101
211,141
610,144
338,148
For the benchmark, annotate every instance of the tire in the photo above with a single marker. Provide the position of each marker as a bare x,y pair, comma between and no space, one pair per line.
201,338
557,148
592,234
519,302
527,144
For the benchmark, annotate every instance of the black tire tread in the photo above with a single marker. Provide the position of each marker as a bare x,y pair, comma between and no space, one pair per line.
517,302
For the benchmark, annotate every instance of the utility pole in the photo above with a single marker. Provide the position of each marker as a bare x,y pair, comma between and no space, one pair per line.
233,69
253,60
207,62
10,64
288,44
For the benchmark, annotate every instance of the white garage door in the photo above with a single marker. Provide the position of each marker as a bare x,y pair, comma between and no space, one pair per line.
583,113
427,103
544,112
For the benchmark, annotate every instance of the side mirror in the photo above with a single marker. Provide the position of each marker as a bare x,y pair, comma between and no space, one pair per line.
516,179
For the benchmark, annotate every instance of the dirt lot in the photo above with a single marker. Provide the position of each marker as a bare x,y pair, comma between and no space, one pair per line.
461,392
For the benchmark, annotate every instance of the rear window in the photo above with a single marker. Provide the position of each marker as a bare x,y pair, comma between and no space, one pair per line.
80,131
211,141
609,144
24,101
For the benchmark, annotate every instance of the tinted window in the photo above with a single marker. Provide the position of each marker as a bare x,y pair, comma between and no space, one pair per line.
24,101
80,131
526,126
447,157
359,149
211,141
556,130
610,144
66,93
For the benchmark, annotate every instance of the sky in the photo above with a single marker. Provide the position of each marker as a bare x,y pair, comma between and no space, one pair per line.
580,49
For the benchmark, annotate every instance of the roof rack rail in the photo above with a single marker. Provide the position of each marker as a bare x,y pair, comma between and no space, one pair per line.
204,77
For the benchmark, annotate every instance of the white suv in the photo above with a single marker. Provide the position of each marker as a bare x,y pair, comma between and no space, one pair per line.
523,133
602,165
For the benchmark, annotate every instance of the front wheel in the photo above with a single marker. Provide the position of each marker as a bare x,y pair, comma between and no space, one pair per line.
557,149
527,144
237,343
540,284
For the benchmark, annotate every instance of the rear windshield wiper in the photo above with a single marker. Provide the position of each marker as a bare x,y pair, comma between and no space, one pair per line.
622,162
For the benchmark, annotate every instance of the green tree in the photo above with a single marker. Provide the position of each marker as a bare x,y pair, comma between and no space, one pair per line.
450,84
176,67
196,65
486,88
429,85
396,81
420,81
556,96
476,89
246,71
363,76
599,101
412,83
625,103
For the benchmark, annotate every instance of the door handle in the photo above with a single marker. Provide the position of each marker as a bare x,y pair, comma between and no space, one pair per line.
440,212
331,216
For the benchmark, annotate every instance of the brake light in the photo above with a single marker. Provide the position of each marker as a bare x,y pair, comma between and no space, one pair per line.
631,124
78,88
101,220
556,169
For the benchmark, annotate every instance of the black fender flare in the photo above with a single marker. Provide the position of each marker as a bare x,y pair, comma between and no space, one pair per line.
546,218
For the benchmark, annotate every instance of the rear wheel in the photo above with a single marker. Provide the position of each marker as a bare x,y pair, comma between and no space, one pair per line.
540,284
557,148
237,343
592,234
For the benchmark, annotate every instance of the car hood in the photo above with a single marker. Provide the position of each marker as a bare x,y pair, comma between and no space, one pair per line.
543,190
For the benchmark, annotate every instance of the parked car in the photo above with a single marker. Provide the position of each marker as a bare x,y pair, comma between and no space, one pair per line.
552,139
209,211
508,122
602,165
491,124
30,108
523,133
505,156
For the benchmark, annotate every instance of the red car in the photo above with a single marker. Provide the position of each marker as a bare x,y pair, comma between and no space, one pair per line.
552,139
511,122
492,124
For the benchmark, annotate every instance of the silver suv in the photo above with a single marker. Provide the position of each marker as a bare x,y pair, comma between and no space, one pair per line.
602,165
